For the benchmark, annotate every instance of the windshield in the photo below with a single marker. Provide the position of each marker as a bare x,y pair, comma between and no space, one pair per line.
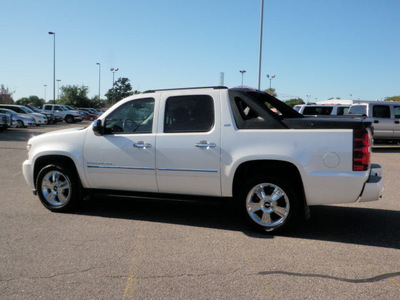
69,107
358,110
35,109
64,108
27,110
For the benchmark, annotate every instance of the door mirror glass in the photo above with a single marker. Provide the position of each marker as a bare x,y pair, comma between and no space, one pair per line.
98,127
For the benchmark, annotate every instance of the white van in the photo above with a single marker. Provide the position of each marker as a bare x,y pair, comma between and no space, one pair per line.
385,117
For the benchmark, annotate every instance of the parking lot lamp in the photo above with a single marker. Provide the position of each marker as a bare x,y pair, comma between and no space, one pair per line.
45,85
113,70
242,71
270,77
99,78
54,65
58,89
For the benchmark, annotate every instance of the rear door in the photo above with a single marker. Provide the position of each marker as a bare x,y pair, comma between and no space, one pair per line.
188,144
382,122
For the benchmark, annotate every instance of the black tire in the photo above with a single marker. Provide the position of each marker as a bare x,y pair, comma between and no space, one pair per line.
69,119
20,124
269,204
58,187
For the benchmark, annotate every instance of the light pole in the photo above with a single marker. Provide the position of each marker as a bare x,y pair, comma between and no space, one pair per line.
54,66
308,98
58,89
99,78
261,38
113,70
242,71
45,85
270,79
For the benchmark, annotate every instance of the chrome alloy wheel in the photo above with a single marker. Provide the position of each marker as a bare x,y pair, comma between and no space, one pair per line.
267,205
56,188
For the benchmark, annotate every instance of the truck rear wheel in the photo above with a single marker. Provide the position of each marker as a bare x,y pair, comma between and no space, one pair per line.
58,188
269,204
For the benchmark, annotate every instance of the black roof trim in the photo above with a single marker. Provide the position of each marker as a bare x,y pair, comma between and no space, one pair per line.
189,88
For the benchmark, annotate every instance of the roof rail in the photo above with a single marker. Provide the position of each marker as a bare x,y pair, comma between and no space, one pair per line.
189,88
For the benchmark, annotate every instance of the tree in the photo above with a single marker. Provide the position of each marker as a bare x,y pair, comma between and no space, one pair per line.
393,98
75,96
121,89
271,91
293,102
5,95
32,100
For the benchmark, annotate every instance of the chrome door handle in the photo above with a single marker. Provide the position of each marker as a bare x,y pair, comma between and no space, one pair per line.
204,144
141,145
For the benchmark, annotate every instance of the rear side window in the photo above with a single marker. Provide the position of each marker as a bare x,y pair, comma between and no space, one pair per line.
194,113
317,110
381,111
396,112
358,110
342,111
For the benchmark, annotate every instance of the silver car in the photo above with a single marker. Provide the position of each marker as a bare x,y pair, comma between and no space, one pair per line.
18,120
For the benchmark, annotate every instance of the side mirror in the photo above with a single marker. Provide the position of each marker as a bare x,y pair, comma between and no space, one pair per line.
98,128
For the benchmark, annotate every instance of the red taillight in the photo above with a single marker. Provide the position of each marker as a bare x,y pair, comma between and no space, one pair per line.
361,149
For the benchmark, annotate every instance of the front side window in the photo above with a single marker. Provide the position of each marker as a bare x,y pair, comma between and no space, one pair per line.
381,111
135,116
194,113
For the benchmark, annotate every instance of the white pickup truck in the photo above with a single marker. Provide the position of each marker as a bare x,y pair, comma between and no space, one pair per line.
211,142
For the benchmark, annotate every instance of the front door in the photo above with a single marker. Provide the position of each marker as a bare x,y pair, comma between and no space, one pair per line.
123,158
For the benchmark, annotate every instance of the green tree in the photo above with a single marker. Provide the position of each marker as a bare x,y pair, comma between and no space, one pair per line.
271,91
75,96
5,95
393,98
293,102
32,100
121,89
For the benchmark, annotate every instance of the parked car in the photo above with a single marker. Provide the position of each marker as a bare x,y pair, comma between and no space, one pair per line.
91,117
385,117
51,118
322,110
40,119
61,111
5,121
19,120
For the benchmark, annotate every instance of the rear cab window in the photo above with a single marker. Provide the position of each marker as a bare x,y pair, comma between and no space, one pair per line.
191,113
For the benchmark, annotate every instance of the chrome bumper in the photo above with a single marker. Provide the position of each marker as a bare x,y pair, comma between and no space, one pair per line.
373,188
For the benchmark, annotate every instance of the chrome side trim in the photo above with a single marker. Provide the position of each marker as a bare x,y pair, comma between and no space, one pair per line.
120,167
187,170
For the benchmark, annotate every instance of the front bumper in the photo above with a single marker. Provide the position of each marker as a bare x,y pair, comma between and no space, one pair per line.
373,188
27,170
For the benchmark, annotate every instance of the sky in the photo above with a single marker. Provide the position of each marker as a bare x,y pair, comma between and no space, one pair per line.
320,48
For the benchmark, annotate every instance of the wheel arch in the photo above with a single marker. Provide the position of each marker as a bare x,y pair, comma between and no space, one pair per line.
281,169
53,159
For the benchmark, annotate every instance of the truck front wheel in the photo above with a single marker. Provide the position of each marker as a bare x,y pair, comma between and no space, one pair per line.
58,188
269,203
69,119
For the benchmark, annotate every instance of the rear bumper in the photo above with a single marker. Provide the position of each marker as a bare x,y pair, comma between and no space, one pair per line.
373,188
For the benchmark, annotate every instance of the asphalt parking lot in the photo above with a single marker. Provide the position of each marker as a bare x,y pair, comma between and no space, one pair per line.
119,248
